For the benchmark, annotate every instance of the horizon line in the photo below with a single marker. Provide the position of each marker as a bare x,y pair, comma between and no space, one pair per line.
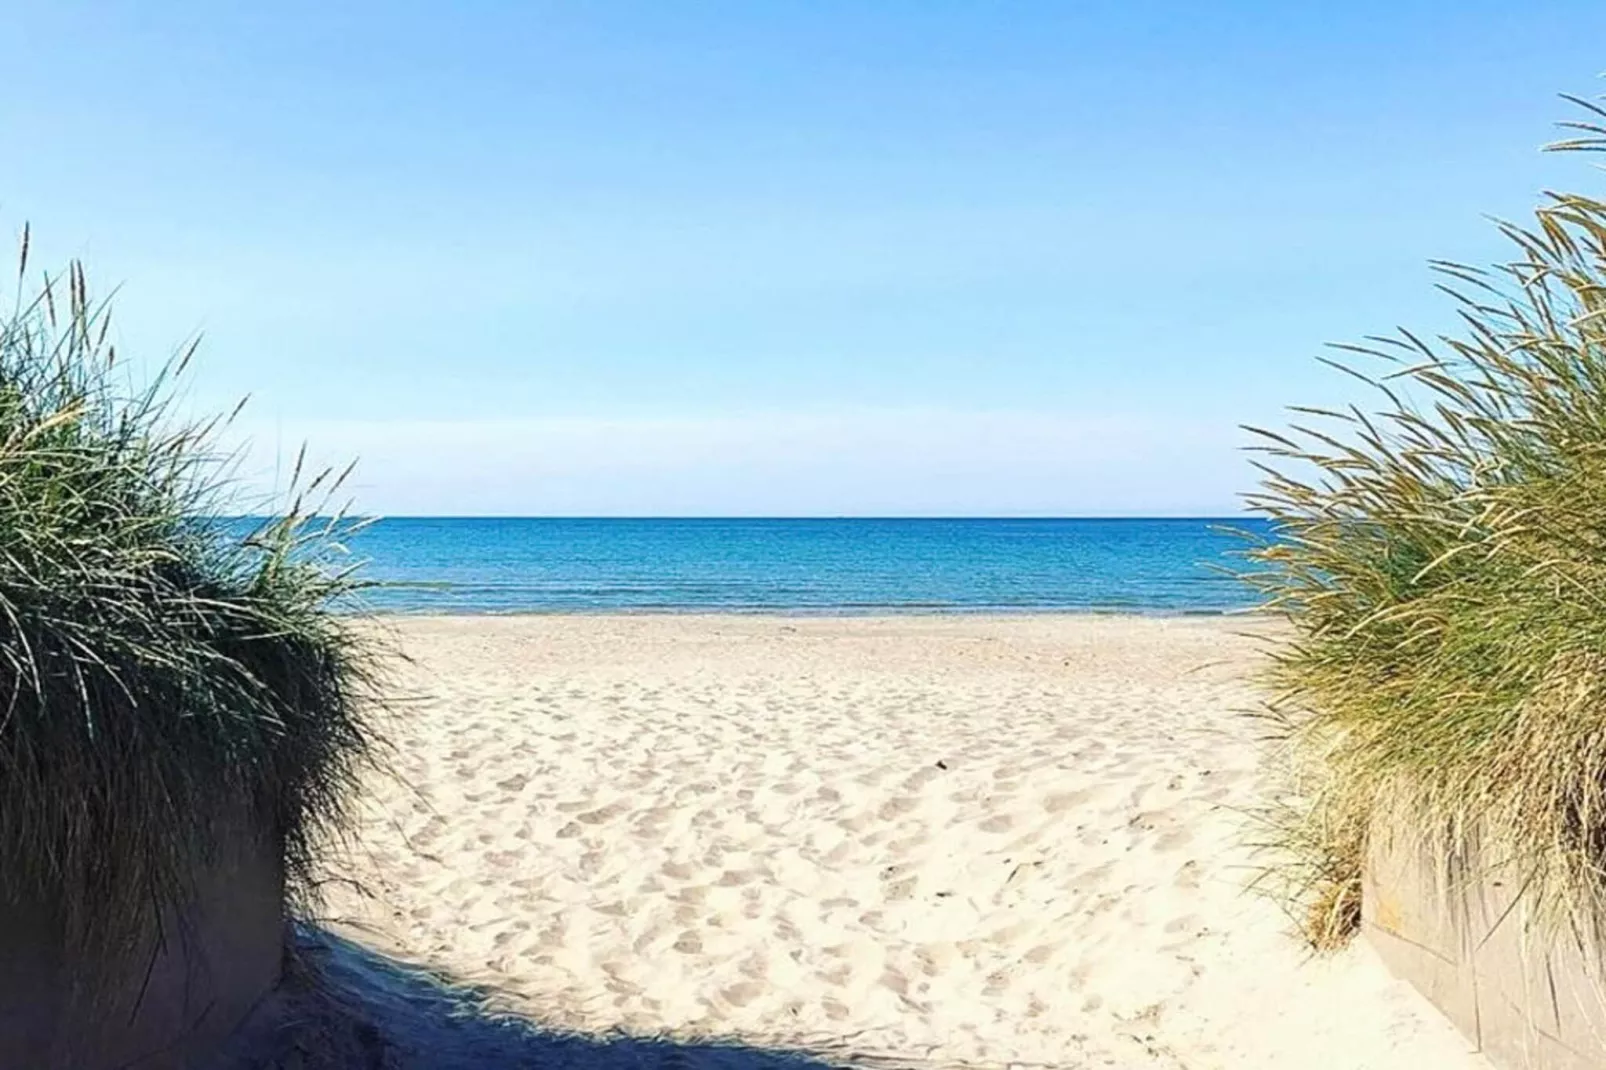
1110,517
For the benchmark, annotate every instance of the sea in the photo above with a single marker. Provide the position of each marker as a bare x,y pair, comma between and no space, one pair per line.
804,566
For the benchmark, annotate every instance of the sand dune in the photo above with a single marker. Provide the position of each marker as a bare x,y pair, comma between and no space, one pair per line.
949,840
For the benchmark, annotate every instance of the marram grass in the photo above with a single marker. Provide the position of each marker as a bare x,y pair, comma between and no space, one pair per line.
1442,560
160,678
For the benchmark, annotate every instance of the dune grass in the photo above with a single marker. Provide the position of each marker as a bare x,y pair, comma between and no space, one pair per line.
1442,559
160,677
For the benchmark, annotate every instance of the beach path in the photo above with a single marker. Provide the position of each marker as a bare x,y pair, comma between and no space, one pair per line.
947,840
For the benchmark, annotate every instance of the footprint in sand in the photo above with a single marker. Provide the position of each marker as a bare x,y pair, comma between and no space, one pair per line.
1066,800
651,828
896,807
834,1010
678,871
742,993
1170,841
838,977
603,815
858,823
898,891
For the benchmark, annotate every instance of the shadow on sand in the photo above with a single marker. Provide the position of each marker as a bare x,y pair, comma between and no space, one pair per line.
346,1006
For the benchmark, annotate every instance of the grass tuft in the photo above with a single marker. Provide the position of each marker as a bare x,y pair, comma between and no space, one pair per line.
162,672
1442,559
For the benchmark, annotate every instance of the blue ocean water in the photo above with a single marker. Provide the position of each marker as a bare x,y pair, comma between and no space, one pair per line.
494,565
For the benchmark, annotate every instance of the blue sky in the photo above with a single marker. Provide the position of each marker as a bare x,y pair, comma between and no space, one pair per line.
778,258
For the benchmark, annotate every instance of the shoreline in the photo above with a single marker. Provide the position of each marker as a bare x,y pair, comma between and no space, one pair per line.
826,613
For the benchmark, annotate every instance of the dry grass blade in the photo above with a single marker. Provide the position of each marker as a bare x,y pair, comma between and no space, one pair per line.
1442,562
158,666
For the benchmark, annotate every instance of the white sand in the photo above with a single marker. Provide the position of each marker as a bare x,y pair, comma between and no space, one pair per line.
957,839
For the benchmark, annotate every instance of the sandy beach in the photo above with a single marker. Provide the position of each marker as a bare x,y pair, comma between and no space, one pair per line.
942,840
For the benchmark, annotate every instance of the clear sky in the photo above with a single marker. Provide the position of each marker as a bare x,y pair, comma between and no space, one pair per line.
778,258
